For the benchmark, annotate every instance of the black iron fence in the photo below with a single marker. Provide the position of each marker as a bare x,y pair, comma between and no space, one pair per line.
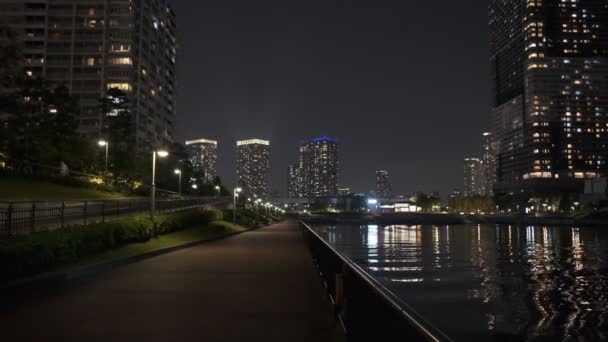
17,218
367,310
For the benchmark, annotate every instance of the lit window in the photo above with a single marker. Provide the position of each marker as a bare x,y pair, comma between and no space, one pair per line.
120,48
90,61
120,86
121,61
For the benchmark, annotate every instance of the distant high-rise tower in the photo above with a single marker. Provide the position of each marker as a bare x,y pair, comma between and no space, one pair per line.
95,45
550,69
474,180
384,188
253,167
489,162
319,162
203,157
294,184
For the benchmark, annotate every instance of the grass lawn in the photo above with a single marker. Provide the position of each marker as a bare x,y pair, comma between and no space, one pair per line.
26,190
214,230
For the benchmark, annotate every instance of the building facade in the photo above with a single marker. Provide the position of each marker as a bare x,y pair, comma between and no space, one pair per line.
203,157
474,180
95,45
489,162
294,184
253,167
550,79
384,188
319,167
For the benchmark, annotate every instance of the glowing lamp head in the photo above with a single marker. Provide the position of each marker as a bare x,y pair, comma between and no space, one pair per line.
162,153
102,143
177,171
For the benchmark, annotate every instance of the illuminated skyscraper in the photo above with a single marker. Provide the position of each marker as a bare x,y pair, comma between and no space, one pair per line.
94,45
384,188
294,184
203,157
253,167
550,78
474,180
320,167
489,162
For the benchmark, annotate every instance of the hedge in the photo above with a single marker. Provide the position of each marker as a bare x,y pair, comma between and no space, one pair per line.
28,255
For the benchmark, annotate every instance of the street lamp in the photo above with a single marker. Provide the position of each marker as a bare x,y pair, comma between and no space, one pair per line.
104,143
178,172
218,189
236,194
160,154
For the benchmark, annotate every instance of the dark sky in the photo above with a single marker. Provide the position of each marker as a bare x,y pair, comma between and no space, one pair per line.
403,85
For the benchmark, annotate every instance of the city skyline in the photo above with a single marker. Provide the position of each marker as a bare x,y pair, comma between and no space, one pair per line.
344,70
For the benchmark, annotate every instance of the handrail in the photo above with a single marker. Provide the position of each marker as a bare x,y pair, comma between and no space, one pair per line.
416,320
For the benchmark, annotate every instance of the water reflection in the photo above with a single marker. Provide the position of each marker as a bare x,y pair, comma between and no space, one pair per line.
490,282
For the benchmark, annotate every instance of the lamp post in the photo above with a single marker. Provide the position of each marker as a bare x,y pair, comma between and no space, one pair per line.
257,206
218,189
104,143
160,154
178,172
236,194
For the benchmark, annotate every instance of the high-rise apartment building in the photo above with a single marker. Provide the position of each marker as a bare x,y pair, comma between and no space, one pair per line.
474,180
294,184
95,45
489,162
550,78
320,167
253,167
384,188
203,157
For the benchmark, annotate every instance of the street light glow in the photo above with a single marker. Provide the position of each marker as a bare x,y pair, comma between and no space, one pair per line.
162,153
238,190
177,171
102,143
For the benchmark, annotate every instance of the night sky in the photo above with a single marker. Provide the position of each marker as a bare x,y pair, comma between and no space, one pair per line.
403,85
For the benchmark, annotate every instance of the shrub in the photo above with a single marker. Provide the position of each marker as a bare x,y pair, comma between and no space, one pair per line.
27,255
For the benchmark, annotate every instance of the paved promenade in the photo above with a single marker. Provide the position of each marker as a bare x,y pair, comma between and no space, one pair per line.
256,286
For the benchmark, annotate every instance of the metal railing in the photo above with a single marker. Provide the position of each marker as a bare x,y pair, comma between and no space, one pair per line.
367,310
19,218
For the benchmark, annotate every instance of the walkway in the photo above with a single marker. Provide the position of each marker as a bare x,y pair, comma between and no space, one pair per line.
256,286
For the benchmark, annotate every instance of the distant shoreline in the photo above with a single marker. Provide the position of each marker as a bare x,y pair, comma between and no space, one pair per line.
449,219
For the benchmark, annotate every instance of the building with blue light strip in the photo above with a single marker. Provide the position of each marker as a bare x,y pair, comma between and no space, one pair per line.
317,171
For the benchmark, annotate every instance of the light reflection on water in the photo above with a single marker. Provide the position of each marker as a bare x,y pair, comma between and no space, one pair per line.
490,282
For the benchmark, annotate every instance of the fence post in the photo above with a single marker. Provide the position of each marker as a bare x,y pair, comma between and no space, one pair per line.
62,214
9,218
33,218
84,212
103,211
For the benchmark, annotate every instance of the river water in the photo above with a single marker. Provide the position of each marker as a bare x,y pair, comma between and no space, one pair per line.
487,282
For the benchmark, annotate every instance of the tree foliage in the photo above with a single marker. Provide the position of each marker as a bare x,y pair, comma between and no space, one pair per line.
471,204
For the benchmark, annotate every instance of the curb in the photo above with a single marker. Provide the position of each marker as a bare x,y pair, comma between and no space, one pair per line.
59,277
